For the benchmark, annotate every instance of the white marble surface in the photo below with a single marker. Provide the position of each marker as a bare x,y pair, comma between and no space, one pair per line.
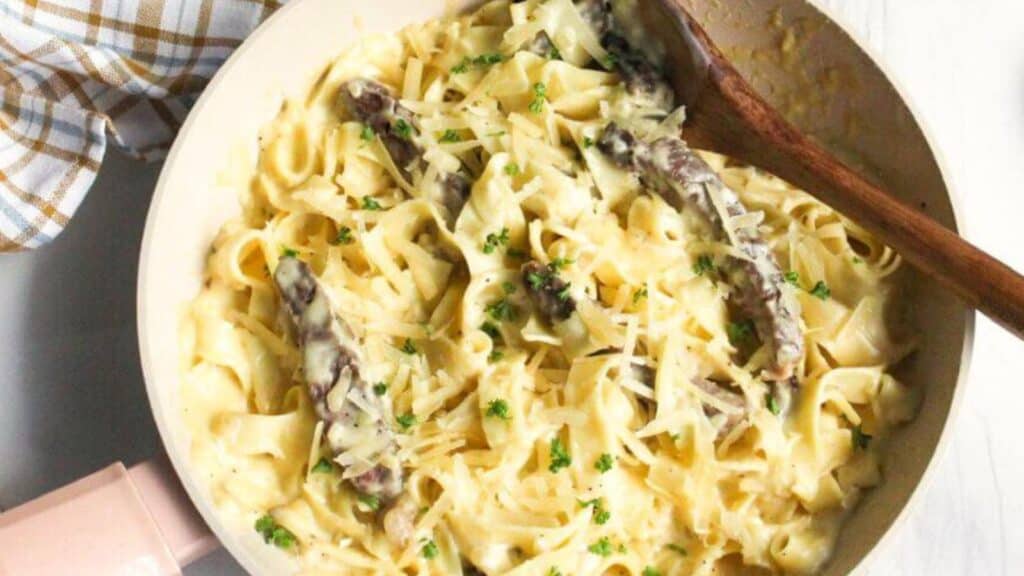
72,400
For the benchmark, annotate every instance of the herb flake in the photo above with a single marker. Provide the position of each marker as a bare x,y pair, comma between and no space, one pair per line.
639,295
821,291
498,408
493,241
491,330
859,438
322,466
274,533
540,95
370,203
409,348
449,136
429,550
406,421
703,265
344,237
403,129
604,463
559,456
739,333
602,547
371,501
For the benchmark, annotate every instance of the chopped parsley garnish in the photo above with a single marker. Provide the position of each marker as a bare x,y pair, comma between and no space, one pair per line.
498,409
508,287
639,295
609,61
792,277
859,438
408,347
344,236
289,253
677,548
371,501
554,54
496,133
322,466
588,141
488,59
535,280
516,253
650,571
563,295
857,260
502,310
406,421
740,332
494,240
560,263
403,129
274,533
449,136
477,62
703,264
491,330
429,550
559,456
511,168
367,133
370,203
821,291
772,403
604,463
380,388
602,547
601,514
554,572
495,355
540,95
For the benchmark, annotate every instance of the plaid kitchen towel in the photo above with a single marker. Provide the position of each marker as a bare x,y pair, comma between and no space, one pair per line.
73,72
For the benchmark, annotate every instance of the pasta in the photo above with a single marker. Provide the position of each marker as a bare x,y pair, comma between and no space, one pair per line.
571,387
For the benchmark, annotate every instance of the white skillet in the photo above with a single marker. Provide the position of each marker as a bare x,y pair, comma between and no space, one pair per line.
139,521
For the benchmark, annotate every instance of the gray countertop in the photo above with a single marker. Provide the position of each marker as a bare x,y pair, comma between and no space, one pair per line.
72,398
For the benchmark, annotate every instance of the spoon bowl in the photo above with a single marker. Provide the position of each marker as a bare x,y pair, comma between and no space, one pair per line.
726,115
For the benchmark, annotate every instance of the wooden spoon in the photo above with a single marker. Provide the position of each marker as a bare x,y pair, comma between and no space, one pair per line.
725,114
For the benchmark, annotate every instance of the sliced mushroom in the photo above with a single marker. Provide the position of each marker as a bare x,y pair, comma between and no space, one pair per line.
353,416
548,292
641,77
373,104
670,169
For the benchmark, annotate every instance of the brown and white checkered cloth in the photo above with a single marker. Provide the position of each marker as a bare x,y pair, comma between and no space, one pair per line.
73,72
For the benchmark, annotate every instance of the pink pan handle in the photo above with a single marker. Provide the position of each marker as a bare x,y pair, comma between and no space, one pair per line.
115,521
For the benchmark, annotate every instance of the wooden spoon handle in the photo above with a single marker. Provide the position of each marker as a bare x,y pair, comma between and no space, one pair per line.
753,131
